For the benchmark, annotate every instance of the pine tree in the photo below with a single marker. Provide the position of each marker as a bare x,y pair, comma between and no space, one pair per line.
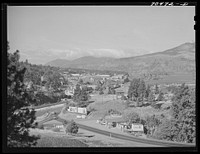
133,89
19,117
132,117
160,96
151,97
156,89
72,127
141,89
147,92
77,93
182,126
152,123
183,113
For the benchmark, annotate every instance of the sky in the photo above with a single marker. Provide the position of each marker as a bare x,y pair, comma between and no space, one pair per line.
43,34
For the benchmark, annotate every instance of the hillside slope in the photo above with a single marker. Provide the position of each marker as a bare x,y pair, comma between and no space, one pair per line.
156,66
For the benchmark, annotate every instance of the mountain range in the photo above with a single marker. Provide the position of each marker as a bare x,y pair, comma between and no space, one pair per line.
176,62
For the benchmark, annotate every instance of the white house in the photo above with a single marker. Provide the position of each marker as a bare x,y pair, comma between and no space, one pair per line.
82,110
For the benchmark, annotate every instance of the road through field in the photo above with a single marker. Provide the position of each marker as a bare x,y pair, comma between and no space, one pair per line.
135,139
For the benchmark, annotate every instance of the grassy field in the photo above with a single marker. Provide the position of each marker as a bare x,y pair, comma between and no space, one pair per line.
102,108
146,111
47,141
120,105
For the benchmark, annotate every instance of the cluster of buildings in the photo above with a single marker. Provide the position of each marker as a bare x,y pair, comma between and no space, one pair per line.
119,123
92,80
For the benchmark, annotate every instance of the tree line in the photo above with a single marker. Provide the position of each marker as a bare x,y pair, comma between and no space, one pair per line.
181,127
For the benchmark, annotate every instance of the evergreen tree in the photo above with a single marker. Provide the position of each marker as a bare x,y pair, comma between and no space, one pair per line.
182,126
19,117
133,89
152,123
80,94
160,96
156,89
77,93
141,89
164,130
101,91
147,92
151,97
72,127
183,115
132,117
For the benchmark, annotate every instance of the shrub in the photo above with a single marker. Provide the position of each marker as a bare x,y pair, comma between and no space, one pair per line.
160,96
72,128
65,122
155,106
132,117
40,126
113,111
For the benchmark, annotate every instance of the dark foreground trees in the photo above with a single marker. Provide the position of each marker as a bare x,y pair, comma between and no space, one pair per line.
19,117
182,126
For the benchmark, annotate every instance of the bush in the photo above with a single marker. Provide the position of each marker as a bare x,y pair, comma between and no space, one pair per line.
72,128
65,122
155,106
113,111
160,97
132,117
40,126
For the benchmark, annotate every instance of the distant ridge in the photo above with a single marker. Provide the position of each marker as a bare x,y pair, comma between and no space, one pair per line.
177,60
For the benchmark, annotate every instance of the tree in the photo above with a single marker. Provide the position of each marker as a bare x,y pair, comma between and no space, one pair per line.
53,80
132,117
164,130
126,79
19,117
141,89
156,89
147,92
152,123
160,96
72,127
77,93
151,97
182,126
101,91
137,89
132,91
80,81
183,115
80,94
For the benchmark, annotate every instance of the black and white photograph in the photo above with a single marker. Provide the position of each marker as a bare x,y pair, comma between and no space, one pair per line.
101,76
